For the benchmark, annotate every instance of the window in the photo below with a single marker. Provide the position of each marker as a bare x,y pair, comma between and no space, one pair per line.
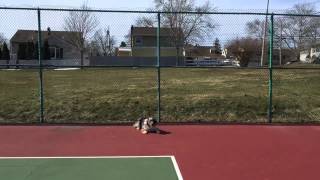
138,41
56,53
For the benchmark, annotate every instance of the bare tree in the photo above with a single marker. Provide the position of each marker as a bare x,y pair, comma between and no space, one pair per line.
244,49
187,28
298,31
82,23
145,21
104,42
255,28
291,32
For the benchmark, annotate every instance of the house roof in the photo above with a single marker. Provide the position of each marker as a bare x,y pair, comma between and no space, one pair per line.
32,35
150,31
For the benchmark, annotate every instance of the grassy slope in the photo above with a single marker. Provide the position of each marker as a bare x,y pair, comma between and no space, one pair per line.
121,95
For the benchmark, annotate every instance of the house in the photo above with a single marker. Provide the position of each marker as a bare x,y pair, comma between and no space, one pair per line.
123,51
201,52
311,54
144,42
255,59
287,55
225,53
60,44
305,55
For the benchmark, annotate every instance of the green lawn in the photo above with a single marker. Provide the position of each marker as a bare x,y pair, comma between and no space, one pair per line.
124,94
88,168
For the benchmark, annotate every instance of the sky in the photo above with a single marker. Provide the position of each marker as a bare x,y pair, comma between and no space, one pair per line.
228,27
143,4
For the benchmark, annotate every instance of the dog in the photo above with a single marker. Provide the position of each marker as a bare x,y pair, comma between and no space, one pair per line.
146,125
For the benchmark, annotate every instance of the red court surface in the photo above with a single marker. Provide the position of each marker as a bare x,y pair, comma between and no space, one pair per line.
202,152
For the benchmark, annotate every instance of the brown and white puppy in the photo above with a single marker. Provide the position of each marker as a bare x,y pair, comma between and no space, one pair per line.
146,125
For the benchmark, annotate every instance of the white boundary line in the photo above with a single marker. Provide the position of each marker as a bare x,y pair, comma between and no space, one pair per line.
176,167
85,157
173,159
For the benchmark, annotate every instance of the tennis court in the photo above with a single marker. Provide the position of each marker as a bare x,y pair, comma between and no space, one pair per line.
201,152
84,168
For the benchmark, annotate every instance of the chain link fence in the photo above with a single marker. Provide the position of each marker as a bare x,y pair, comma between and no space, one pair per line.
81,66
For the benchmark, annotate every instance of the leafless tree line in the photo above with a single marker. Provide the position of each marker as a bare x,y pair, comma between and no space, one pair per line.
293,33
86,37
186,28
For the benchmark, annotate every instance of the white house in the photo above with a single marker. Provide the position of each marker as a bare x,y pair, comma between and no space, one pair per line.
225,53
310,55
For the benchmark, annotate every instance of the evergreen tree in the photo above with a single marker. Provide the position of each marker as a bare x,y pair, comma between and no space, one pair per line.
0,54
5,52
46,50
123,44
217,47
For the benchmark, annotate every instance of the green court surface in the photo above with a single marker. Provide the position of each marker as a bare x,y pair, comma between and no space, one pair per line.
90,168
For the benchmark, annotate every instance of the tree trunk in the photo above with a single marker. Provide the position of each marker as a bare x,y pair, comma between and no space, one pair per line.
177,56
81,58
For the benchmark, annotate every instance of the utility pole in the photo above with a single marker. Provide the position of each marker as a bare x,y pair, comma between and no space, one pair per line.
108,42
264,35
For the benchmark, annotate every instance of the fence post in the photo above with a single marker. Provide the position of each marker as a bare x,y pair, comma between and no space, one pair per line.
270,68
40,67
158,69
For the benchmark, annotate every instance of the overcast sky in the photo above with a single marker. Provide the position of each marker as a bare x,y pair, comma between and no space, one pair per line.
143,4
229,26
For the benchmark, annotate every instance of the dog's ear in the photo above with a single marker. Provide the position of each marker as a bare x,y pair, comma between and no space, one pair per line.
152,121
155,122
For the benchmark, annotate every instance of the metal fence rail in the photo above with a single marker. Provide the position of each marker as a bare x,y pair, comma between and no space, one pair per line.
279,89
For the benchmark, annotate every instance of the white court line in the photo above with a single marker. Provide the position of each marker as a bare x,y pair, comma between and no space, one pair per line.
86,157
173,159
176,167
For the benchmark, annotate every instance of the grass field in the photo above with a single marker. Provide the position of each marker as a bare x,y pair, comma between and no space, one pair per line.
124,94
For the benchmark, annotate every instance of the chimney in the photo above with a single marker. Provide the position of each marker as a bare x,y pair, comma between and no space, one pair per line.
49,31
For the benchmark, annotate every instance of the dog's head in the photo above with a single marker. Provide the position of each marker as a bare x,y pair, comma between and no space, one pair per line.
151,122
